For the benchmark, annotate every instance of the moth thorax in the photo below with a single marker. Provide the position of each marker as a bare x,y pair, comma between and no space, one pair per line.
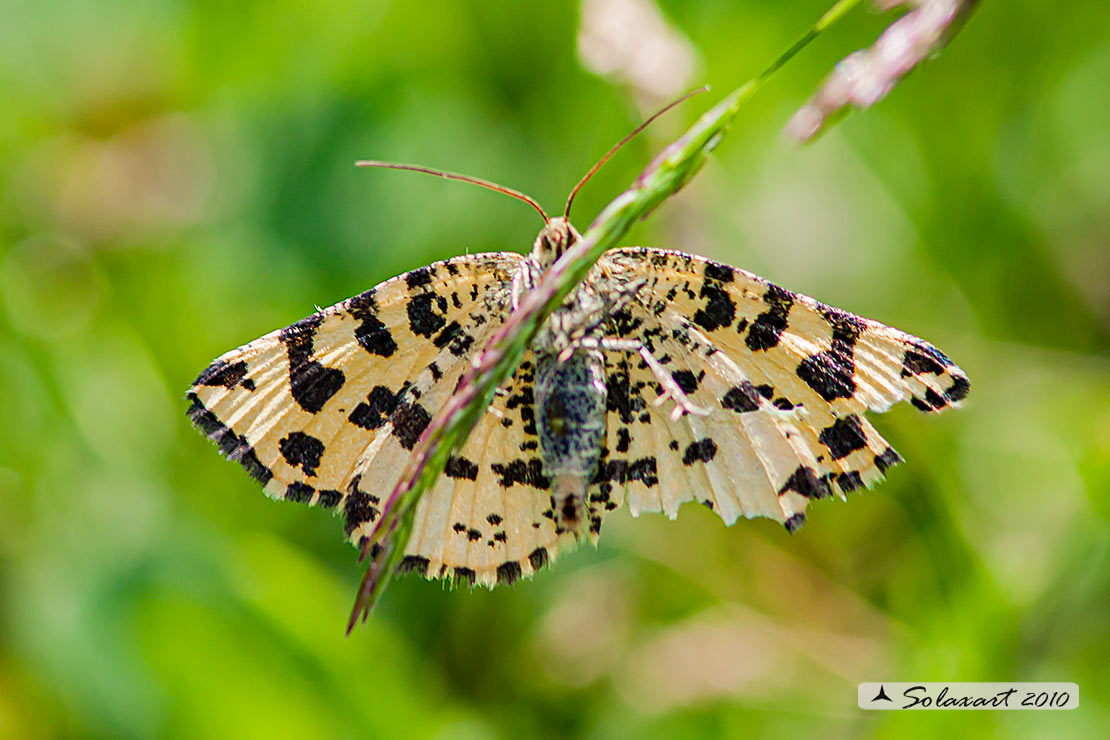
555,238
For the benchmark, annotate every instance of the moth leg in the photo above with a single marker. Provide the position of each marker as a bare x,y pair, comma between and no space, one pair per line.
671,389
524,281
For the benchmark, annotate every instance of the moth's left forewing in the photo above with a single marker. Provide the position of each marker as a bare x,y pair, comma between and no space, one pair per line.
786,379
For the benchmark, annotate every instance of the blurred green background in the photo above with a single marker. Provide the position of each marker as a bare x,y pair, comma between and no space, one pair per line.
176,179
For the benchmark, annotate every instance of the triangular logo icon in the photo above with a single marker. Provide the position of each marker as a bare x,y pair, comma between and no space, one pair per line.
882,694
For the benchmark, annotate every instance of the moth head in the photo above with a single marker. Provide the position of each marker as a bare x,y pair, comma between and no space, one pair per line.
556,237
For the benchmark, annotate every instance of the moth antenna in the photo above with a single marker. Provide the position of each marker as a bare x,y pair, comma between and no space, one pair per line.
625,140
455,176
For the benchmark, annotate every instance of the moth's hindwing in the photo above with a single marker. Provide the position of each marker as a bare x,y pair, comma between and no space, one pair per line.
786,380
303,407
489,519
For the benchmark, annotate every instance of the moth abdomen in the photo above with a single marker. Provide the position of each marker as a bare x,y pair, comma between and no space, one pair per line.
570,407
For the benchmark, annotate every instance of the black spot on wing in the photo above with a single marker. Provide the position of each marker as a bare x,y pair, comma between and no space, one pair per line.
622,323
508,572
523,399
410,419
460,345
846,326
464,574
717,271
355,484
298,337
794,523
887,459
302,450
357,510
804,481
849,481
644,470
329,498
741,398
314,385
231,445
686,380
934,399
375,338
413,563
524,472
460,467
455,339
298,492
494,519
424,320
844,436
371,334
959,390
924,358
375,410
719,310
222,373
830,372
624,439
702,450
621,398
538,558
310,383
419,277
449,332
765,332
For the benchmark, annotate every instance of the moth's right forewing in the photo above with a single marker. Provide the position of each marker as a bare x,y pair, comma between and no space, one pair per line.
300,407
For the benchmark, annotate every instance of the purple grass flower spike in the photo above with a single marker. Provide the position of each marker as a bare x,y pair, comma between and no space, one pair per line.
866,76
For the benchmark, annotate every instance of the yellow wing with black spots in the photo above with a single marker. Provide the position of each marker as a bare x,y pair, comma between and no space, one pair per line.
786,381
299,407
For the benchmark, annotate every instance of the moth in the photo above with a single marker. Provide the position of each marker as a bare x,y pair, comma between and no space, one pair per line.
663,378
